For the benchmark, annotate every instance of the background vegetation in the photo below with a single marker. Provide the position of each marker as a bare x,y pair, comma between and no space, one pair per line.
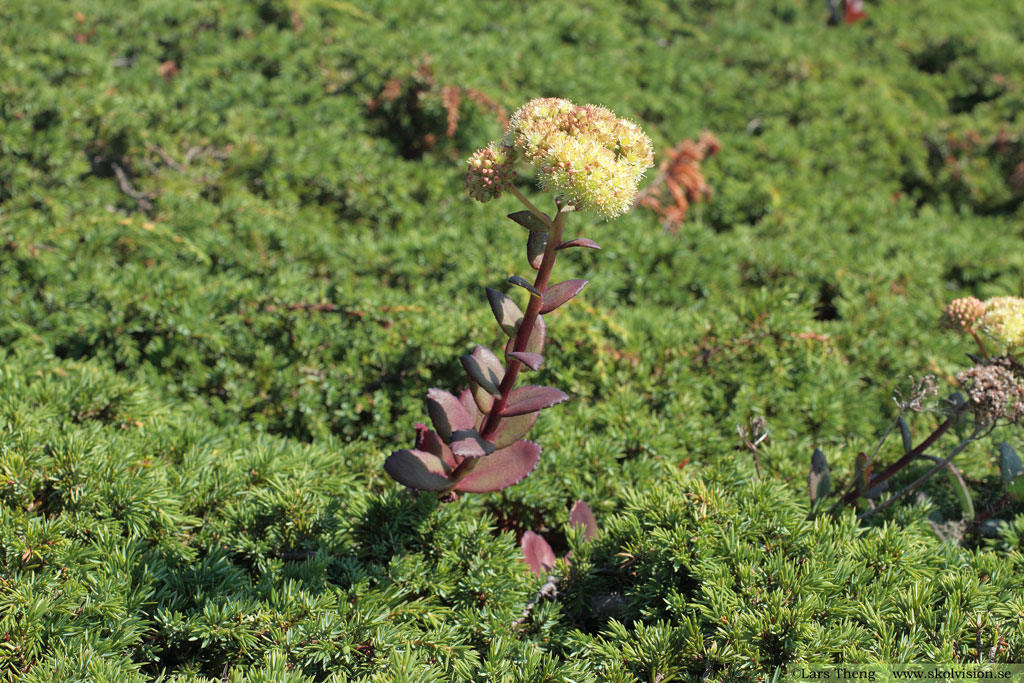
235,252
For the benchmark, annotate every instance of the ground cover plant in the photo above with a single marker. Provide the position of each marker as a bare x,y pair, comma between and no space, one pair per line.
236,250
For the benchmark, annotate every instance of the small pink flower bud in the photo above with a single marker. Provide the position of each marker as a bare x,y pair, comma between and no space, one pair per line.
964,312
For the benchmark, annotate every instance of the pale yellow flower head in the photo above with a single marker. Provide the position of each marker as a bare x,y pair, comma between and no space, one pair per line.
1004,320
583,152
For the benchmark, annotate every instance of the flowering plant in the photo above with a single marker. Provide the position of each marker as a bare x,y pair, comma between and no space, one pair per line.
994,389
590,160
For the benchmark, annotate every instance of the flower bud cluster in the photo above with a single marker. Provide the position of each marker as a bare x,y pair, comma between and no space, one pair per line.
963,313
585,152
489,172
995,390
1004,320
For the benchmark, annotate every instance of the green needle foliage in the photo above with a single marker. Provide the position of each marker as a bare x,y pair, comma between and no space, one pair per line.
236,251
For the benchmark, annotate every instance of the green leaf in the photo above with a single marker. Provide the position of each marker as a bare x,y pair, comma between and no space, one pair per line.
481,397
908,441
1016,489
1010,465
536,243
511,429
418,470
484,368
819,481
535,344
525,284
966,502
506,312
531,222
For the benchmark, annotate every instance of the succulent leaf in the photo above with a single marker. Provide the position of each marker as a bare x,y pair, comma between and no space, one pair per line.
525,284
1010,465
819,481
467,443
484,368
531,222
530,360
511,429
428,440
908,441
581,515
532,398
418,470
535,344
506,312
468,402
578,242
502,469
538,554
560,292
966,502
536,243
482,398
446,413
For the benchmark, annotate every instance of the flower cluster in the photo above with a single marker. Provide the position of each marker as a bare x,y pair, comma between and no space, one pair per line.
489,172
1004,320
583,152
963,313
995,389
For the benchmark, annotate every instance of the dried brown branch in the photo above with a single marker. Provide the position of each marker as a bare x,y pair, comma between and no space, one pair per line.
142,199
679,174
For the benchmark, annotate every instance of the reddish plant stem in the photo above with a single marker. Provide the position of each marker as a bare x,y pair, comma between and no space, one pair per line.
895,467
523,333
525,328
990,512
977,340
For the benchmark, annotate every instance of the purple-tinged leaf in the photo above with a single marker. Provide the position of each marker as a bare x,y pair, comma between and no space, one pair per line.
427,440
511,429
502,468
532,398
578,242
560,292
484,368
530,360
536,243
447,413
581,515
525,284
505,311
535,344
481,398
467,443
418,470
530,221
466,399
538,554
